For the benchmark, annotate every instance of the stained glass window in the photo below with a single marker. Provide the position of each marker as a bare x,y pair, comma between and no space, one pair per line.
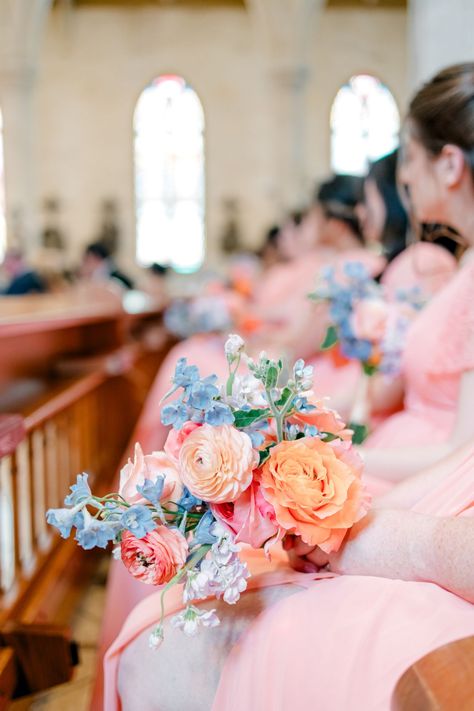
169,175
364,124
3,224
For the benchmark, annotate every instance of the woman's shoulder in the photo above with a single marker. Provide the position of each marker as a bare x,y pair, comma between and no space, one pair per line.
424,265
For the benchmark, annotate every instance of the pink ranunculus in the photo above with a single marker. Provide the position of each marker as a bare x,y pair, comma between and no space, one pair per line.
150,466
217,463
156,558
369,319
175,439
324,418
251,518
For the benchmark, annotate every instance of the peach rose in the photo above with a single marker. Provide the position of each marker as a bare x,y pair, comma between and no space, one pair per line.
149,466
175,438
369,319
251,518
315,489
325,419
216,463
157,557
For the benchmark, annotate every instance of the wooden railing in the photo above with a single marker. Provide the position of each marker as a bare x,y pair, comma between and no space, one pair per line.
76,380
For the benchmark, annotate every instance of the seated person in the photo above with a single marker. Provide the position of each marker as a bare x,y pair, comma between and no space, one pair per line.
97,265
22,278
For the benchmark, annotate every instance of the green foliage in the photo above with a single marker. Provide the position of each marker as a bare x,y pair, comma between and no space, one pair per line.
245,418
360,432
330,339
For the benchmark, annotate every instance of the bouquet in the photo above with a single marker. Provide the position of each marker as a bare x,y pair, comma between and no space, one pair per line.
367,327
245,462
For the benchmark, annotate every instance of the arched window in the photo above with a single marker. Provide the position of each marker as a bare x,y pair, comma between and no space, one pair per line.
169,175
3,222
364,124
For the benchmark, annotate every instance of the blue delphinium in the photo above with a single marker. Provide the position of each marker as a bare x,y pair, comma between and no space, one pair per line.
93,533
138,520
152,490
202,533
63,520
80,491
188,501
198,402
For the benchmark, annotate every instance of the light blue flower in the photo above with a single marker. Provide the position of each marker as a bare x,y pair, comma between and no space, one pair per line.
80,491
202,535
184,374
152,491
175,414
357,349
202,395
138,520
188,501
356,271
62,519
219,414
96,533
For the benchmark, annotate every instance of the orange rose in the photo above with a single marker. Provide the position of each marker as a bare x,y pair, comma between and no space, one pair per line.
217,463
315,489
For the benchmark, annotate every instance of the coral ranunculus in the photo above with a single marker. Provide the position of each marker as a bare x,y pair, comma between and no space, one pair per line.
216,463
325,419
315,489
251,518
175,438
156,558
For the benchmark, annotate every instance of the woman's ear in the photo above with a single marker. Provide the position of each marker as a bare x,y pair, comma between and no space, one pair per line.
451,165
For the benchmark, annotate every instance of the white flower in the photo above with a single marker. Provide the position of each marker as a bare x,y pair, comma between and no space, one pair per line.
117,553
246,390
156,637
192,618
233,346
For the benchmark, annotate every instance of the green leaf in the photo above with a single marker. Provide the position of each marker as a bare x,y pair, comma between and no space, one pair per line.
271,378
369,369
245,418
360,432
330,340
264,454
284,397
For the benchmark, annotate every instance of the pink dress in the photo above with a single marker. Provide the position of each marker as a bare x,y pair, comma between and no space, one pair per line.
439,349
342,643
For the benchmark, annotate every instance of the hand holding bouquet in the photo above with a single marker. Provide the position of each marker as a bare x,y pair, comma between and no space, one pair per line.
245,462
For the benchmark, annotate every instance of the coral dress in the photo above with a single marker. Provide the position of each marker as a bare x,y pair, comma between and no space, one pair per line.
439,349
342,643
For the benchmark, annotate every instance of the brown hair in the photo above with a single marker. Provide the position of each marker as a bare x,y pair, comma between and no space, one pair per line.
442,111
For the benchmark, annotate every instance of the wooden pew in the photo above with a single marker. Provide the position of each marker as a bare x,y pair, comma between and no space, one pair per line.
441,681
74,371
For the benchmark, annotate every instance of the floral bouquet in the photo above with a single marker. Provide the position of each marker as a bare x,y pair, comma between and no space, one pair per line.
245,462
203,314
366,326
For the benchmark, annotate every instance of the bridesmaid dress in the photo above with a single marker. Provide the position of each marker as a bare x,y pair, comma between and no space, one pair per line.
340,644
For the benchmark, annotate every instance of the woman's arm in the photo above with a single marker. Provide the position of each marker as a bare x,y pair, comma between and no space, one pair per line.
406,546
396,463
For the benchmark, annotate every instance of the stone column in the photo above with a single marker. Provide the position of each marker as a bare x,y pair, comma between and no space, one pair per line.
285,31
441,32
21,28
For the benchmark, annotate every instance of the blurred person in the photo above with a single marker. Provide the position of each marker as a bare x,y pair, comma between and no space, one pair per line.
97,265
21,277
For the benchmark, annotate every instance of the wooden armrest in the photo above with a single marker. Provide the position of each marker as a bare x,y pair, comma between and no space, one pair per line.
44,655
8,676
12,432
441,681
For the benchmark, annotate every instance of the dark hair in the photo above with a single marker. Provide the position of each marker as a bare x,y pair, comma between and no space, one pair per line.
442,111
383,172
97,249
338,197
158,269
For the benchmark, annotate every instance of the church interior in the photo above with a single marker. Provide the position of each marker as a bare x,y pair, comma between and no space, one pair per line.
175,171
